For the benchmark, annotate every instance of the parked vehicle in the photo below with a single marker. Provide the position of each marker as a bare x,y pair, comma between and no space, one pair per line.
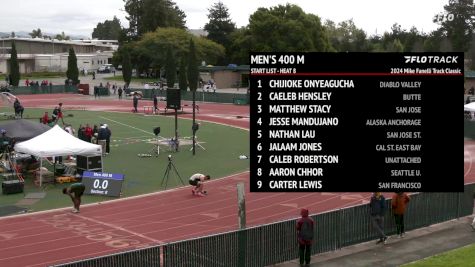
106,68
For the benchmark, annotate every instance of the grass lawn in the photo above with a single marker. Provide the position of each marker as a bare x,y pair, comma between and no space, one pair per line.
131,135
459,257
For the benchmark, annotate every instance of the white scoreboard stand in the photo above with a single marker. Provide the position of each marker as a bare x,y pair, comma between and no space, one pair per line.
103,184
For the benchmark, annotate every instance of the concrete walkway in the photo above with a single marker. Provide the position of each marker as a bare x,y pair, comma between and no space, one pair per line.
417,244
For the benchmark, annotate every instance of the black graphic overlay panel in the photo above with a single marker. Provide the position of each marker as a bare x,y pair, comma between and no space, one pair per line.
355,122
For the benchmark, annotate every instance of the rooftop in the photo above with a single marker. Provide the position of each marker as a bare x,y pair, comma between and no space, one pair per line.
56,41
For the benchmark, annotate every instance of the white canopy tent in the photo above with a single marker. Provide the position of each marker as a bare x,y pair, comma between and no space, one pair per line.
57,142
469,107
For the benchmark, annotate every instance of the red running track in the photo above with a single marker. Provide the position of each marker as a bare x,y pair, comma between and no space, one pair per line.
51,237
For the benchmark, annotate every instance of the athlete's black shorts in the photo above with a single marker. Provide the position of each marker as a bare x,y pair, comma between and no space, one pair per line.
194,182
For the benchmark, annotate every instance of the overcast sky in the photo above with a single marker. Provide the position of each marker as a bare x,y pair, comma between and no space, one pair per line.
79,17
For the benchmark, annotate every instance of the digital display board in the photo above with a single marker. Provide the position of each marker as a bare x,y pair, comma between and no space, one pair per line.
355,122
101,183
173,98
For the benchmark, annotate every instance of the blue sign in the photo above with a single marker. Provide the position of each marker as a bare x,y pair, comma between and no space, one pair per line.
102,183
104,175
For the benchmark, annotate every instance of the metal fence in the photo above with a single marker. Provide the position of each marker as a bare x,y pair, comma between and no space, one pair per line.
200,96
275,243
43,89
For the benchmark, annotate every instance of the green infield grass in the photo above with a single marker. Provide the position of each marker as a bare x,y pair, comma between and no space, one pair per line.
458,257
132,134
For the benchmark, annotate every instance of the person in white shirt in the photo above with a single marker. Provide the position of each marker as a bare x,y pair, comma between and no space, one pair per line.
69,129
197,180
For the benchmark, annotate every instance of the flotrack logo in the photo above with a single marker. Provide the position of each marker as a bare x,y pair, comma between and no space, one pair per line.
431,59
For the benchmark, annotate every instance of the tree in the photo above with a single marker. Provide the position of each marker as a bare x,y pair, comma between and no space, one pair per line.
433,41
146,15
170,68
472,54
458,23
303,32
220,27
72,73
346,36
12,35
193,74
62,36
14,67
182,82
126,66
108,30
150,51
36,33
395,46
241,45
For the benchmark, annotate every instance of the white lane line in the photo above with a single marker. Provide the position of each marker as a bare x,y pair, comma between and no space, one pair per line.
138,129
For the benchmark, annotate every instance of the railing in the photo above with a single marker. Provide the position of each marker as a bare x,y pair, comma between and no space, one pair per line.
42,89
200,95
275,243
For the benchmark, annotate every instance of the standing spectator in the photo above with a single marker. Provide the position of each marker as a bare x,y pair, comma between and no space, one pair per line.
18,109
88,133
27,82
45,118
136,102
95,133
108,139
398,203
377,208
155,104
102,137
68,128
305,232
93,75
120,92
96,92
82,132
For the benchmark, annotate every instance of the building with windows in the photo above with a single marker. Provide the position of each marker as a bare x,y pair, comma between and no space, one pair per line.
36,55
231,76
